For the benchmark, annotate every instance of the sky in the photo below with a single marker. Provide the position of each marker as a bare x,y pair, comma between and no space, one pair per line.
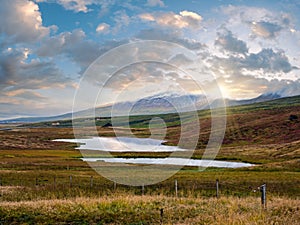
48,46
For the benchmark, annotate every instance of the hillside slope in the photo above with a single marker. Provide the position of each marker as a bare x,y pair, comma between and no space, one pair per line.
259,123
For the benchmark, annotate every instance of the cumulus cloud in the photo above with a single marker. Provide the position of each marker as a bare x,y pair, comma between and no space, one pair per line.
73,45
19,73
268,60
153,3
76,5
263,23
230,43
185,19
267,64
171,36
56,45
21,79
83,52
21,21
265,29
103,28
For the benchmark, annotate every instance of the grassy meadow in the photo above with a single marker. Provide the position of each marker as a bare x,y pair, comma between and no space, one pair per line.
45,182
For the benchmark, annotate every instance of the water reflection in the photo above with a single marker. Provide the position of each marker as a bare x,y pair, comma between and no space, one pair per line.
126,144
122,144
171,161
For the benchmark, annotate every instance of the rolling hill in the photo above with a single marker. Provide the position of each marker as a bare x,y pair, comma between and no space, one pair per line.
163,103
271,122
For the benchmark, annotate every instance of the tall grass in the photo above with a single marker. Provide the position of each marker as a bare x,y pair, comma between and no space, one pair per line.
131,209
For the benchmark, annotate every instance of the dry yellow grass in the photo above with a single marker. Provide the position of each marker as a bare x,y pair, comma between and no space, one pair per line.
130,209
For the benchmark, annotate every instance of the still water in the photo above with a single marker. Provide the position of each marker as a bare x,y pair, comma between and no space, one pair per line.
126,144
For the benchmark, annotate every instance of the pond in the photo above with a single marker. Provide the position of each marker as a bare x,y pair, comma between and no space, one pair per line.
128,144
122,144
172,161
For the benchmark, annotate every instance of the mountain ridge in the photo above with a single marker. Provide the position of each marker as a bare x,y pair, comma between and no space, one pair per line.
157,104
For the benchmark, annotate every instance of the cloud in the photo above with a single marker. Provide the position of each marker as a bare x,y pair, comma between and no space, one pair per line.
12,107
185,19
153,3
147,78
243,53
147,16
238,14
179,60
55,45
246,87
269,61
72,45
74,5
228,42
171,36
83,52
288,88
25,94
18,72
121,20
21,21
103,28
265,29
267,64
191,15
262,22
84,5
23,78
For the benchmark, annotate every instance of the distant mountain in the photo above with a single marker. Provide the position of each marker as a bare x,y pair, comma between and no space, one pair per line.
261,98
166,104
158,104
37,119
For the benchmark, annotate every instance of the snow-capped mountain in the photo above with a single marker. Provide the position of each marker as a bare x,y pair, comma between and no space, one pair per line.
156,104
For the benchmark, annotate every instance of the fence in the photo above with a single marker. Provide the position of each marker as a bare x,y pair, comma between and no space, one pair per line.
97,185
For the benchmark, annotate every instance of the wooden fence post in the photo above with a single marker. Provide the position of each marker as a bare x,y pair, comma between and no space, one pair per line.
54,182
176,188
70,181
161,215
263,190
143,189
115,185
217,188
91,181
